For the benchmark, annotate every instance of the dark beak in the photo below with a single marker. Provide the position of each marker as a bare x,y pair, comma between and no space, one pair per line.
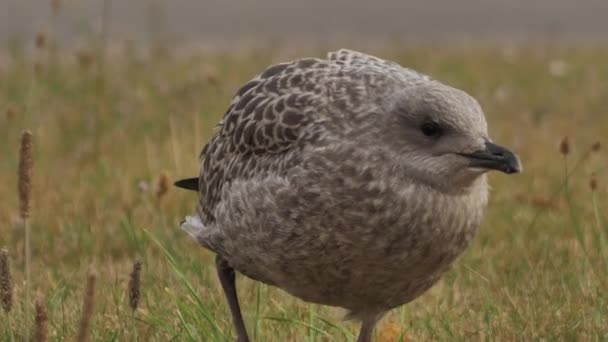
188,184
495,157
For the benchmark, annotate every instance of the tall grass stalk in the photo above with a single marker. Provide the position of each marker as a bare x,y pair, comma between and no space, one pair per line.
174,146
102,49
88,305
312,334
571,209
258,305
134,294
24,186
6,282
600,235
6,288
42,318
578,229
562,186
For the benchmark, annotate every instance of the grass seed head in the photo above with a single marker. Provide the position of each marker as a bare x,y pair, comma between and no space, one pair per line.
10,113
41,40
42,318
6,284
85,58
87,308
162,185
56,6
25,174
212,77
593,182
135,286
564,146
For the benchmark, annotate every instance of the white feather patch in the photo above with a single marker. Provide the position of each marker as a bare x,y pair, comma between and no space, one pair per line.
193,226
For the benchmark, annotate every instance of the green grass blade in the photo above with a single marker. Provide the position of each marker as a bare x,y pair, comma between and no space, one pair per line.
182,277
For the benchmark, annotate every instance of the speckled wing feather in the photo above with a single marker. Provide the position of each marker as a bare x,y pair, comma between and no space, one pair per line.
269,117
282,109
354,60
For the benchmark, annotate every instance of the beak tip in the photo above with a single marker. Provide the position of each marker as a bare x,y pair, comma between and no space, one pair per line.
517,167
498,158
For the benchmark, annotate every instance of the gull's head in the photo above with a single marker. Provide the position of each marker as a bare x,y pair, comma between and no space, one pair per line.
441,137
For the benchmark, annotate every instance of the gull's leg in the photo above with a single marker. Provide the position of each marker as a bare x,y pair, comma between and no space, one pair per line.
367,328
227,279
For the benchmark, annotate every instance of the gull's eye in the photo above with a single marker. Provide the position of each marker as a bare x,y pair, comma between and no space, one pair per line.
431,129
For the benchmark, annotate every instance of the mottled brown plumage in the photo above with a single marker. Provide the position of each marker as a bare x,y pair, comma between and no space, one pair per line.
348,181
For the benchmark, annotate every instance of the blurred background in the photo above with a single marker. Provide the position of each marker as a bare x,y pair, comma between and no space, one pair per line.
224,23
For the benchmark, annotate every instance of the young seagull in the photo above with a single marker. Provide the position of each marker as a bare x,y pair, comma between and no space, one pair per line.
348,181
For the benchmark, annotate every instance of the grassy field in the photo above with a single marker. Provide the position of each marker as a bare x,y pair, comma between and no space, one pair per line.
108,136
